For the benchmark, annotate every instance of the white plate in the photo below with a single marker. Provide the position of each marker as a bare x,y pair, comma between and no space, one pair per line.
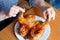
43,37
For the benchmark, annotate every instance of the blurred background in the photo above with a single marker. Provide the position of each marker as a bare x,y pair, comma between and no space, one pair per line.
55,3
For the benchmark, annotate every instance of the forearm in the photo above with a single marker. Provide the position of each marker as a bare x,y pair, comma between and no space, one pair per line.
38,3
41,4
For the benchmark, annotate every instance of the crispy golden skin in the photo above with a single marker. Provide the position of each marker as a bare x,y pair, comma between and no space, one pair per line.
26,23
37,31
30,28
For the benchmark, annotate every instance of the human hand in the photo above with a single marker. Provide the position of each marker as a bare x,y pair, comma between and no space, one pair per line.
14,10
48,13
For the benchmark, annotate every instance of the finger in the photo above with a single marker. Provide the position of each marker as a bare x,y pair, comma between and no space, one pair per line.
53,14
23,10
49,14
44,14
19,8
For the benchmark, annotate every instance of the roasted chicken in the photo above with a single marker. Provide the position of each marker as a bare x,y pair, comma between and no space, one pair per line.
26,23
30,28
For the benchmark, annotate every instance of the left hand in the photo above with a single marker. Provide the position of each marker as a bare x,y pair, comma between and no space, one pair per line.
48,13
15,10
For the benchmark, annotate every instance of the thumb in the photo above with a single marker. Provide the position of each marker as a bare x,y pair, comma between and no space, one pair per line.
44,14
22,10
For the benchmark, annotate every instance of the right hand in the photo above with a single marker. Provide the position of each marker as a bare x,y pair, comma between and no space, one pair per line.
49,13
14,10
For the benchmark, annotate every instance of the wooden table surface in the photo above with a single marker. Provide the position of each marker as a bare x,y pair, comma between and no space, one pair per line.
8,32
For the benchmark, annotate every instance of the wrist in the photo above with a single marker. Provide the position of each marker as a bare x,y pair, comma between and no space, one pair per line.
43,8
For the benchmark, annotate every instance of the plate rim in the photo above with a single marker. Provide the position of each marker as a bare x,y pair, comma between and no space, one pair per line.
21,36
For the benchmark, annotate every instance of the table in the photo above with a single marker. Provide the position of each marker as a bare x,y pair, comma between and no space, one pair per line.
8,32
